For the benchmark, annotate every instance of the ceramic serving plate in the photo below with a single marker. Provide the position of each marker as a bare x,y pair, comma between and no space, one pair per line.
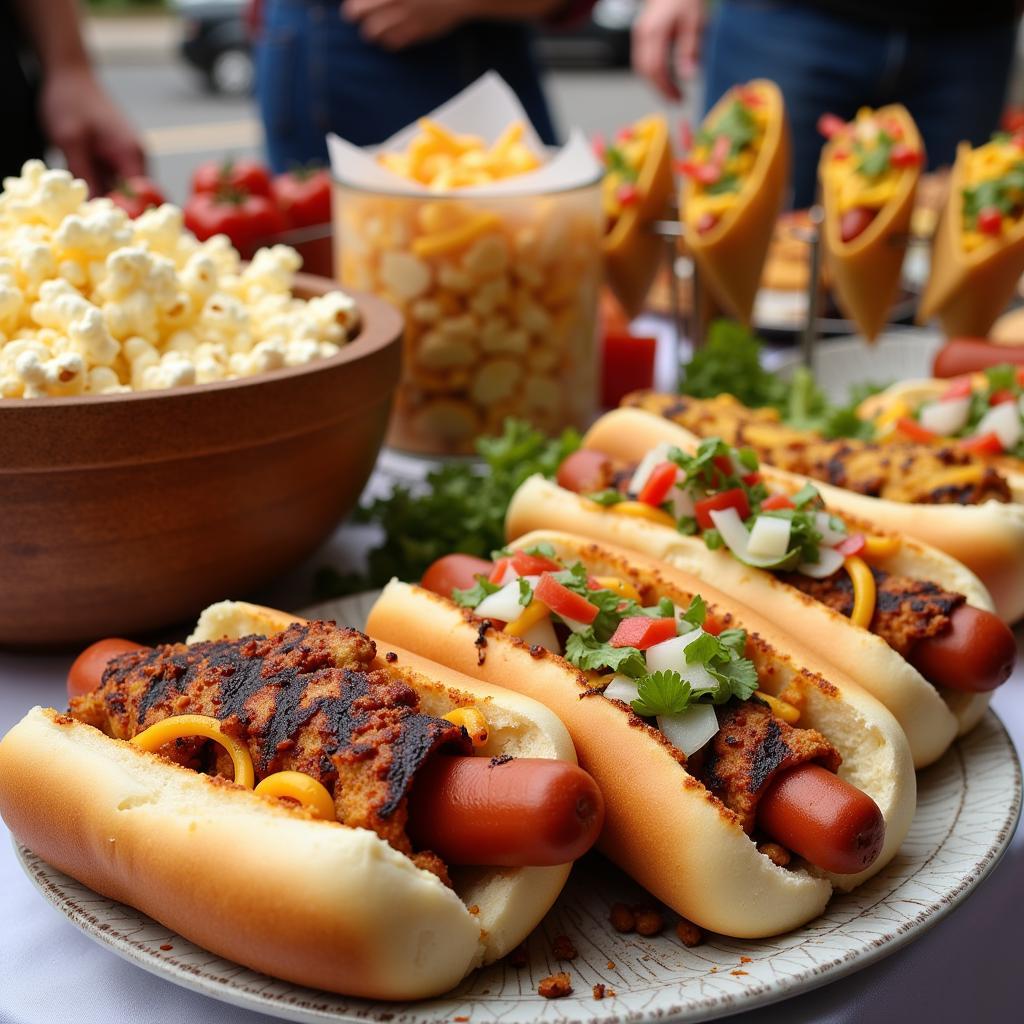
968,806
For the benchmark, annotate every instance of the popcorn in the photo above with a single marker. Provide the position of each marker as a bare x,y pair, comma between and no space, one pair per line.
92,302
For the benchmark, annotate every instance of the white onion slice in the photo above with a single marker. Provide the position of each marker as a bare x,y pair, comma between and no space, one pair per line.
542,634
670,656
829,561
823,524
692,729
945,417
657,455
1004,421
682,499
622,688
502,604
769,537
728,523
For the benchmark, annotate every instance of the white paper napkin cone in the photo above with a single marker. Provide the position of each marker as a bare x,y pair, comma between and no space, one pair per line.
485,108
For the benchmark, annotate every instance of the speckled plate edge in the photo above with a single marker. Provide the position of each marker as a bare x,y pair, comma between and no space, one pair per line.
969,804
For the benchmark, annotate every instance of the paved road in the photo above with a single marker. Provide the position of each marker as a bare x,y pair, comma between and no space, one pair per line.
183,124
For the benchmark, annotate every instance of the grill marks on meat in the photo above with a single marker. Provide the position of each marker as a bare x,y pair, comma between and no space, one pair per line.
750,748
905,472
306,699
906,610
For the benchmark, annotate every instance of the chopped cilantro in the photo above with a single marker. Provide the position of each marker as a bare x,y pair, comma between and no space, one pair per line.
470,597
589,654
607,497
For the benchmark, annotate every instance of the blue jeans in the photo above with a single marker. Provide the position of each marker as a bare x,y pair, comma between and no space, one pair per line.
316,74
952,82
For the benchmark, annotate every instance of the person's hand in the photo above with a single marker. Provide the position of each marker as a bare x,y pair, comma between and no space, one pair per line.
81,120
666,43
396,24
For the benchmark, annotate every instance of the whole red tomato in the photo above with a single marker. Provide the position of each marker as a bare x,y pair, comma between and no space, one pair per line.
244,174
136,194
248,220
304,196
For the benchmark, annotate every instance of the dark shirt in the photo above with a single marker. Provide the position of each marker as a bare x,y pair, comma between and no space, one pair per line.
940,15
21,136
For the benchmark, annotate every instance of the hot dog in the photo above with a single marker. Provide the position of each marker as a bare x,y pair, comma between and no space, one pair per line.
402,753
944,496
873,604
602,636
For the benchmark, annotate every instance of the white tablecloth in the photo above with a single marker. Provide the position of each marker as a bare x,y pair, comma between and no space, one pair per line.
966,969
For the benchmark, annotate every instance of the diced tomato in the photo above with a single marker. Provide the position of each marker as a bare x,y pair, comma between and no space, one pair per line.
960,387
625,134
776,501
706,174
641,632
913,430
659,483
532,565
1018,139
627,194
983,444
599,146
749,95
712,627
1020,376
499,570
720,149
1001,397
840,153
830,125
735,498
902,155
706,221
852,545
893,129
454,572
751,478
685,135
990,221
562,601
724,464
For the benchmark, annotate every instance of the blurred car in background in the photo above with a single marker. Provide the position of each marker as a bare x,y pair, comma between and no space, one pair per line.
217,40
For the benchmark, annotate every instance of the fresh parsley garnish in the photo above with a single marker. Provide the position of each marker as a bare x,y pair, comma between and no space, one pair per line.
470,597
589,654
662,693
696,613
459,508
525,591
607,497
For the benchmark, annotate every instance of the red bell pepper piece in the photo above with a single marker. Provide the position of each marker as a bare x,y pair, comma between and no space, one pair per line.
659,483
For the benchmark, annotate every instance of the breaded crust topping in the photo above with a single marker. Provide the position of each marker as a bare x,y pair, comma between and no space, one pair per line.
306,699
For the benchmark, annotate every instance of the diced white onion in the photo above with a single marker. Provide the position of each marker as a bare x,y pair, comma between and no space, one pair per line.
1004,421
682,500
769,537
502,604
622,688
670,656
823,524
829,561
728,523
657,455
946,417
692,729
542,634
576,627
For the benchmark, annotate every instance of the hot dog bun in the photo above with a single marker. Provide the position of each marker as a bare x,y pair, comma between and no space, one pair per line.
931,718
987,539
661,825
313,902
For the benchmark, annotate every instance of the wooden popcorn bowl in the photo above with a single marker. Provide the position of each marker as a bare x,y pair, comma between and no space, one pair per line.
123,513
